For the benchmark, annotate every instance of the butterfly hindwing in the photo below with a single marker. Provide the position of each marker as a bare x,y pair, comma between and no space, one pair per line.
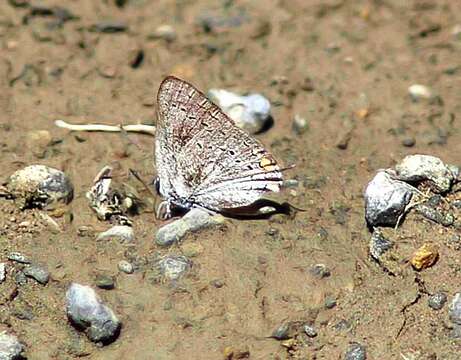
203,158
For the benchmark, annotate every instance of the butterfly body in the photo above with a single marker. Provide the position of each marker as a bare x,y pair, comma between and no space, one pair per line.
202,158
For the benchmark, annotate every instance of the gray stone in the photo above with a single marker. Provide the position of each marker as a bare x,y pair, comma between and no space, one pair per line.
38,273
415,168
437,301
10,347
356,351
38,186
194,220
18,257
330,302
310,330
454,311
320,271
386,199
104,281
435,215
379,245
172,267
86,311
251,112
285,331
121,232
20,278
409,141
125,266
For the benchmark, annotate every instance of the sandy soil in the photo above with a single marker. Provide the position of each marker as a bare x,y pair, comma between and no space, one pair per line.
325,61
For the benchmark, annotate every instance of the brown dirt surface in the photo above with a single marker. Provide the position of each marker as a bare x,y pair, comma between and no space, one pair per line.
344,66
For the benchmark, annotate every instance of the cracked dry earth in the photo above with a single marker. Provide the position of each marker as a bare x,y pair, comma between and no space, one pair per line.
344,66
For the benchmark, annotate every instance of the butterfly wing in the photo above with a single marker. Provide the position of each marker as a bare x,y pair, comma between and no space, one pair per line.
203,158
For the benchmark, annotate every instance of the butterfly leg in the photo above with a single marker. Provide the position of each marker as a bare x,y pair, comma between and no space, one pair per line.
163,211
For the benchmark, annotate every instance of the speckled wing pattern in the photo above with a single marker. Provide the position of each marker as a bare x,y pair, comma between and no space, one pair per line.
203,159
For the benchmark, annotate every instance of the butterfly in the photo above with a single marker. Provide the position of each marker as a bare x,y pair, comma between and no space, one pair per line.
203,160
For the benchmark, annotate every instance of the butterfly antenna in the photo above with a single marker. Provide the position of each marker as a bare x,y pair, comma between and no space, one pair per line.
138,177
296,208
289,167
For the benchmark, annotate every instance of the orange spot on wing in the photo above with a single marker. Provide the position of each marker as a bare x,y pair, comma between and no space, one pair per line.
268,163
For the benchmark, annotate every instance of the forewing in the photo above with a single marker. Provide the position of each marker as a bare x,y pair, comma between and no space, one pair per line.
205,158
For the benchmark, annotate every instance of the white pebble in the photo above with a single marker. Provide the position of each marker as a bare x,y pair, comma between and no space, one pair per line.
194,220
2,272
125,266
122,232
251,112
418,92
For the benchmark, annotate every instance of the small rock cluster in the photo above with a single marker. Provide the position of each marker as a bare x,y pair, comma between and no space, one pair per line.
419,182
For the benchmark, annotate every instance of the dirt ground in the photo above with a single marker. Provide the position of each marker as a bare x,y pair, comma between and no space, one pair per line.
344,66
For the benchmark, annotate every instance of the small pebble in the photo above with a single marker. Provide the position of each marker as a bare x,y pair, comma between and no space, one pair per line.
425,257
300,124
285,331
386,199
10,347
194,220
173,267
86,310
330,302
356,351
310,330
38,273
18,257
409,142
437,300
123,233
290,183
104,281
2,272
379,245
125,266
435,215
251,112
320,271
420,92
20,278
109,27
217,283
165,32
454,311
38,141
